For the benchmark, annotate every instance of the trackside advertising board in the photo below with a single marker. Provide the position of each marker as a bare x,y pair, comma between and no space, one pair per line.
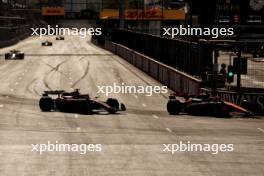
257,99
138,14
53,11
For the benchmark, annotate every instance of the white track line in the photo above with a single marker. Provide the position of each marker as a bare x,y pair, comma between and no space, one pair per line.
155,116
169,130
260,129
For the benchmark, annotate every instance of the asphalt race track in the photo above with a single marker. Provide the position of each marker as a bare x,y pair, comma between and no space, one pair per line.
132,141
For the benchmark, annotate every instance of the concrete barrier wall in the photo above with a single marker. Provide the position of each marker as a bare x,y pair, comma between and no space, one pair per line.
173,78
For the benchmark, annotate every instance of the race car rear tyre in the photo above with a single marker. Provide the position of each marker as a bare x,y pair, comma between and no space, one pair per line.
122,107
174,107
46,103
113,103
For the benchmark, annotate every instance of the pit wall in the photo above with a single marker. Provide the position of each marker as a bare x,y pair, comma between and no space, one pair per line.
175,80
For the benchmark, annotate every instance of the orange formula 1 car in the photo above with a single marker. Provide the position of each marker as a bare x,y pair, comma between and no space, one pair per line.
204,105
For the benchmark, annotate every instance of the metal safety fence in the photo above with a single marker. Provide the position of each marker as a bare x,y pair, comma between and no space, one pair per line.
189,57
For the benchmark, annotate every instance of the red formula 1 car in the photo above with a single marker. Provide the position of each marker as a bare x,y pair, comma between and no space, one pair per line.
204,105
74,102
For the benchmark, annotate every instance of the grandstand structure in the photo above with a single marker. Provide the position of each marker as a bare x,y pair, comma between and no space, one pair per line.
73,8
79,8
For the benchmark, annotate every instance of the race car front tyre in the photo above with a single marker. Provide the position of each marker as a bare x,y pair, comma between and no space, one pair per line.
46,103
113,103
174,107
122,107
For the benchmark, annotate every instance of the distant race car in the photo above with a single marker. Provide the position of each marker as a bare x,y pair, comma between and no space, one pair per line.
59,38
204,105
14,54
74,102
46,43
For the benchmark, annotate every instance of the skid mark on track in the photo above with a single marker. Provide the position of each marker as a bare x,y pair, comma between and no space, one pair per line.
33,90
57,67
84,75
82,58
53,69
45,80
118,76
